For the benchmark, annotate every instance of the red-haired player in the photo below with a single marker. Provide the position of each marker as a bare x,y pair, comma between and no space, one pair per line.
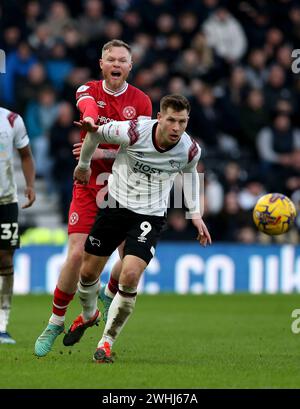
99,102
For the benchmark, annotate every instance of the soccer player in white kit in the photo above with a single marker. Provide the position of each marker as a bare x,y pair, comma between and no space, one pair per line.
152,153
13,134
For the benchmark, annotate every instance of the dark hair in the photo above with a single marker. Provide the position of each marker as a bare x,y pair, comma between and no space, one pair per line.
175,101
116,43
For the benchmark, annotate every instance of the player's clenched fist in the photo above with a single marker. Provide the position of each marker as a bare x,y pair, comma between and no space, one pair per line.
82,175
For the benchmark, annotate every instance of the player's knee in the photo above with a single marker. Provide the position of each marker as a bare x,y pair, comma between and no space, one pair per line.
86,275
88,272
75,258
130,277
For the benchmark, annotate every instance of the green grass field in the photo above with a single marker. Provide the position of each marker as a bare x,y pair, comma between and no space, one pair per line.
217,341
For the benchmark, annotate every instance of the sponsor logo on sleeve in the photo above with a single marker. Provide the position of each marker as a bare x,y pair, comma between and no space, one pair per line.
83,88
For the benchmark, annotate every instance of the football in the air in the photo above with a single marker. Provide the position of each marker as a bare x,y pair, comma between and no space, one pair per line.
274,214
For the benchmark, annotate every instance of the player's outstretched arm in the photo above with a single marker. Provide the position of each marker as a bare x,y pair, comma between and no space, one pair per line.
91,141
99,153
116,133
191,190
82,171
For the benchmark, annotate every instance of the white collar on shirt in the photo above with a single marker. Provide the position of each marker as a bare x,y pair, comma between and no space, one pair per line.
115,93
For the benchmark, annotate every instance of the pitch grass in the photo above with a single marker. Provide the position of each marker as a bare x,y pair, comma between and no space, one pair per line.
216,341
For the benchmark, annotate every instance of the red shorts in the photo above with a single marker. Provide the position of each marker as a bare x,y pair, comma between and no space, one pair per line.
83,209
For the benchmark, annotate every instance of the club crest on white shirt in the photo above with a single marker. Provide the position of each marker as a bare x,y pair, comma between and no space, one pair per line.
174,164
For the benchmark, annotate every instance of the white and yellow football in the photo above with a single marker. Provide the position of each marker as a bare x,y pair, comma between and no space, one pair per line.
274,214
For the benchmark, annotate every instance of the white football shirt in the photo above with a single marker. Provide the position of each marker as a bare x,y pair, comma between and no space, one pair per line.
143,174
13,134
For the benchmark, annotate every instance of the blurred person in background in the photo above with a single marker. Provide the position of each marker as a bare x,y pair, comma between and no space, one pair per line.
179,227
208,117
230,97
247,235
285,60
33,15
92,22
41,41
253,189
276,145
29,89
10,38
275,87
150,10
132,25
18,64
225,35
291,180
13,134
273,40
232,177
256,68
231,219
62,136
188,64
99,102
211,67
178,85
58,18
187,26
143,52
77,77
166,25
294,26
40,115
253,117
58,65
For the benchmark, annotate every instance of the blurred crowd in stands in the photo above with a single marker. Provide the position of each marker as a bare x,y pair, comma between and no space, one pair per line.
232,59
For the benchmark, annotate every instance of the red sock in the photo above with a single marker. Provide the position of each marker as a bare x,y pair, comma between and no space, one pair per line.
61,301
113,285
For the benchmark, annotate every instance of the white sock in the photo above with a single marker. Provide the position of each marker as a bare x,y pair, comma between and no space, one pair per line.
104,339
88,295
108,293
6,290
57,319
118,314
4,317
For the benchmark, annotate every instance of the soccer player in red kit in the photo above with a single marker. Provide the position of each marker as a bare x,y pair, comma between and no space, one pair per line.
99,102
